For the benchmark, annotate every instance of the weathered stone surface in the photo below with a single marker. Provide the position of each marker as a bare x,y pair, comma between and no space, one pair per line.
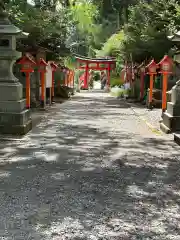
175,96
10,91
12,106
164,128
156,98
171,118
168,95
14,119
16,129
173,109
172,122
177,138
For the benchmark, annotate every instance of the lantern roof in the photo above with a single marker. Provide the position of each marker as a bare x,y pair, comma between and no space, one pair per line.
53,65
9,29
141,65
26,59
165,59
42,62
23,35
151,64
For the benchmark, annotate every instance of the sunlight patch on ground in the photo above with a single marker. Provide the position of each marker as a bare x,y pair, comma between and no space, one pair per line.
47,157
137,192
52,145
4,174
58,176
8,150
20,159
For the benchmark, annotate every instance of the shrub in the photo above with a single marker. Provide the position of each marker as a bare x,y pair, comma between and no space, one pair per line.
116,81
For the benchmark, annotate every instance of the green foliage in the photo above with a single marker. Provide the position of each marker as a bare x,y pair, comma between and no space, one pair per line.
69,62
127,29
82,27
96,75
147,30
145,27
58,76
112,46
119,64
84,14
116,81
78,74
45,24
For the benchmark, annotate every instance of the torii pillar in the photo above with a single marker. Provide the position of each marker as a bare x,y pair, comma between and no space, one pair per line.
86,76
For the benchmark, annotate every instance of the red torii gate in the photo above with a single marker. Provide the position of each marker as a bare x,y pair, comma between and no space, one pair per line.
98,64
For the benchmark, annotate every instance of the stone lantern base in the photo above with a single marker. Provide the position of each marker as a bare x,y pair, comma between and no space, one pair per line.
171,117
14,117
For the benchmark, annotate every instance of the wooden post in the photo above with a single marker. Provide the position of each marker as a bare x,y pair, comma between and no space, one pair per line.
59,85
27,68
54,67
142,85
151,90
50,96
52,88
152,70
126,73
42,69
166,69
70,79
108,76
73,78
65,79
42,89
164,97
86,76
28,90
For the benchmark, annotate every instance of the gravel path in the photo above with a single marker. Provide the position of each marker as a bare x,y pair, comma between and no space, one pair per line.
91,170
153,117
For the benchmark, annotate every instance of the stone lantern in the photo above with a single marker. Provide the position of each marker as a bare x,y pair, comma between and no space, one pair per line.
152,67
14,117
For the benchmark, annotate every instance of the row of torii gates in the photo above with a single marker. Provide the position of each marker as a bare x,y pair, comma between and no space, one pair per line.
98,64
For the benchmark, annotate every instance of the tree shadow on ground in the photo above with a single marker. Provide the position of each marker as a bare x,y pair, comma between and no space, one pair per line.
74,180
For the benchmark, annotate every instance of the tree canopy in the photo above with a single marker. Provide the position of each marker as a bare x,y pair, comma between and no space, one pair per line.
121,28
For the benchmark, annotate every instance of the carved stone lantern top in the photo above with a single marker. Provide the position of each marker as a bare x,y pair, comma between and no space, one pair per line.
5,25
8,53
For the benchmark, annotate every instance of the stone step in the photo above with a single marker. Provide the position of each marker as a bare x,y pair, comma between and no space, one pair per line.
171,122
177,138
173,109
164,128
